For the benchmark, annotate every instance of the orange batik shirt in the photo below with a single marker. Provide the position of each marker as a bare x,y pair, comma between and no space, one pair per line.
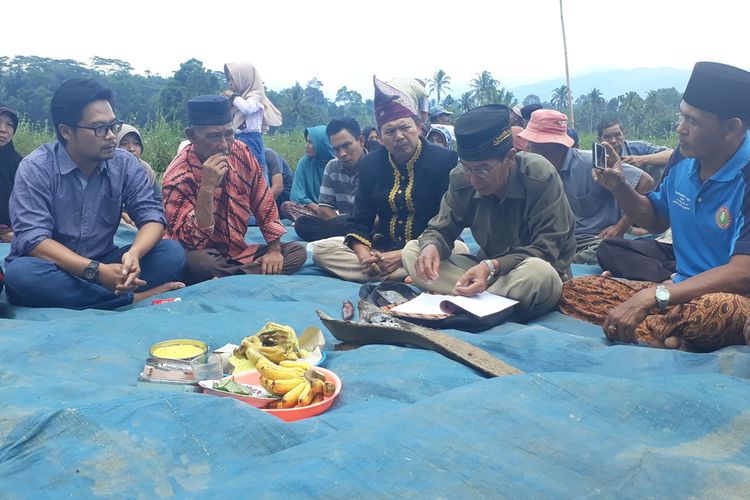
243,190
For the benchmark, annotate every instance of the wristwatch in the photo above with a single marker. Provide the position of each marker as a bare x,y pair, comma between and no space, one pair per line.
491,267
662,297
91,273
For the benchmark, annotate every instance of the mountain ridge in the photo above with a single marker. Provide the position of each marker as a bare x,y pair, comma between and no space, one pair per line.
611,83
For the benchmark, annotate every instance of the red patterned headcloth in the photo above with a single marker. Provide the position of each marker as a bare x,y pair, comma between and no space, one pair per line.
391,103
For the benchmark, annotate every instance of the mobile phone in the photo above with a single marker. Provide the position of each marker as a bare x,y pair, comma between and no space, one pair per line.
599,156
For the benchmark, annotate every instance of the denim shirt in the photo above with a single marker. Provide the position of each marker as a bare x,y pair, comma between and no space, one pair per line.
52,198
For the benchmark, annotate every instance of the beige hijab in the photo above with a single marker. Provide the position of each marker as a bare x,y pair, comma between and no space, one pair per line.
129,129
248,80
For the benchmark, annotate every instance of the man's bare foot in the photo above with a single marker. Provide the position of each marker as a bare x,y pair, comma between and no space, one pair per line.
166,287
408,280
606,274
675,342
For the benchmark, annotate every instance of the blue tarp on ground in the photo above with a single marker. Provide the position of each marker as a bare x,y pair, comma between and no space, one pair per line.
586,419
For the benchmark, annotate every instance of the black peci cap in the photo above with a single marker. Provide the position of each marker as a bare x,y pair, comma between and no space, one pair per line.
720,89
209,110
484,132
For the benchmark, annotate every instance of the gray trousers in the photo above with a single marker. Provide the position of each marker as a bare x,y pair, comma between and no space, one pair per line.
534,283
338,259
586,247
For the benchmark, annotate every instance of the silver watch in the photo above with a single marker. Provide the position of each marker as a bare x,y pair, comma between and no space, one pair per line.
491,266
662,297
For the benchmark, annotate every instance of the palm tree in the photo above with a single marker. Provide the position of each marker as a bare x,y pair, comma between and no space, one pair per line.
466,101
560,97
440,82
485,87
295,104
597,103
506,97
631,105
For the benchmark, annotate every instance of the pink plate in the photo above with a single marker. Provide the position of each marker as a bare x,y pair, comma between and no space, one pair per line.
287,414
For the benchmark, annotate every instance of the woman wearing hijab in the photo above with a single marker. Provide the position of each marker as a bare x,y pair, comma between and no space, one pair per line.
252,113
309,175
9,160
130,140
372,139
442,135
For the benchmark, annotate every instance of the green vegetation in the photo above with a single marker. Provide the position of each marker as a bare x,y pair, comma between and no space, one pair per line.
161,138
156,105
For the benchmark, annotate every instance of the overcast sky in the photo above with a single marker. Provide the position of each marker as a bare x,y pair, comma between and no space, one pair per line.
346,42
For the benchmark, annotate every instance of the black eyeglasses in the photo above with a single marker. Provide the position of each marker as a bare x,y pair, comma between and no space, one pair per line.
101,130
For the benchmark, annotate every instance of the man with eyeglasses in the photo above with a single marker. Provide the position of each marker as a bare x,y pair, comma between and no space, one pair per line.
516,208
65,209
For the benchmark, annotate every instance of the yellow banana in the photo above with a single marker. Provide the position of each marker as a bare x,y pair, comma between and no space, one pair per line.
295,364
282,386
290,398
274,371
318,386
329,389
318,398
266,383
306,396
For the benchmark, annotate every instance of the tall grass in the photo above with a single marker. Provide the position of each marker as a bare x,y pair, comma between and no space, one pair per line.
586,139
161,137
29,136
290,145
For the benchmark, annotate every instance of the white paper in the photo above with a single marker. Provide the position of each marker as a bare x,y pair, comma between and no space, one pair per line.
483,304
424,303
480,305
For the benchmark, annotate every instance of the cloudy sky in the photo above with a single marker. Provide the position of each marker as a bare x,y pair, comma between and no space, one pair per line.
345,42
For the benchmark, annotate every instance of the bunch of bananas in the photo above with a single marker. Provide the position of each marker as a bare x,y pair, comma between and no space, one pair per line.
296,382
274,341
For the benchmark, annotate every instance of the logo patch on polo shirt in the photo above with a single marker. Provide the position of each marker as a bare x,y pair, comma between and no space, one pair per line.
723,217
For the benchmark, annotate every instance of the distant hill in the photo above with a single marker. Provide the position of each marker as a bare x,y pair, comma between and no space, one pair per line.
611,83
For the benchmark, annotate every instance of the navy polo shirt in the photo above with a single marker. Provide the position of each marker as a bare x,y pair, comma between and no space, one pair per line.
708,222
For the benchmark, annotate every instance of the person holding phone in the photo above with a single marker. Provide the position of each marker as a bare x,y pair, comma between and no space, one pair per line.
644,155
597,213
705,306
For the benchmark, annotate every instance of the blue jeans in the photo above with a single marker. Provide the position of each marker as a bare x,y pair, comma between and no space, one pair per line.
34,282
254,141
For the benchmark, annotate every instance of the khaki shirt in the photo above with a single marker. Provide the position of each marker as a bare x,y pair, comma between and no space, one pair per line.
533,220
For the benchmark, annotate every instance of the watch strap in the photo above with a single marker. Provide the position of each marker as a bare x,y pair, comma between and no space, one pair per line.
491,266
91,272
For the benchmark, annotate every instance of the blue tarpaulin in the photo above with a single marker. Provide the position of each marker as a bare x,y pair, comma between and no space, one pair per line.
587,418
